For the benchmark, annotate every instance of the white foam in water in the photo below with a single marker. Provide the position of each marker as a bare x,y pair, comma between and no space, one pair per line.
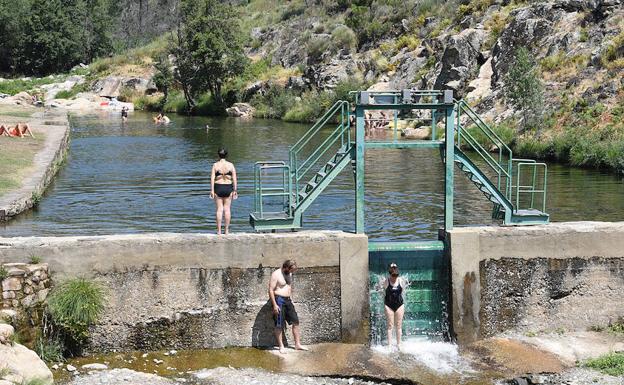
442,357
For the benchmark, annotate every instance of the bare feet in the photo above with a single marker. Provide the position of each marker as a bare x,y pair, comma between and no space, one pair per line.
282,350
301,347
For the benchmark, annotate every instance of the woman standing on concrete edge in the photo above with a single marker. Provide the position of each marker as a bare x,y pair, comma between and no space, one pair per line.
394,288
223,185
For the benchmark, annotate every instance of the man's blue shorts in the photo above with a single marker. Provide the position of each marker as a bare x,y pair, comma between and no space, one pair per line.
287,312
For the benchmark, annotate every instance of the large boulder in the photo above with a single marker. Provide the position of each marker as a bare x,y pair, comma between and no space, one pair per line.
108,87
240,110
141,85
460,61
18,363
328,75
407,66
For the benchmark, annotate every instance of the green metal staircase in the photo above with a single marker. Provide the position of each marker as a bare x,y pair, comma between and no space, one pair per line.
314,161
506,179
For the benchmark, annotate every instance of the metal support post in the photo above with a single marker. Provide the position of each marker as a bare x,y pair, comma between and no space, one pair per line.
359,169
449,144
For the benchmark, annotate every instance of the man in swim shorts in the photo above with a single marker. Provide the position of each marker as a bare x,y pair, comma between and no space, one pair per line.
280,293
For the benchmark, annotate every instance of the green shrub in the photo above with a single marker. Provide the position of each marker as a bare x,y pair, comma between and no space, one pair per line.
344,38
583,35
410,41
35,259
612,364
505,131
293,10
613,54
274,103
50,350
207,105
316,47
148,103
533,148
4,273
74,305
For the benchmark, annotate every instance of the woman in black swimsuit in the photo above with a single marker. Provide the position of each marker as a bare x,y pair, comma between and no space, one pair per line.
394,287
223,188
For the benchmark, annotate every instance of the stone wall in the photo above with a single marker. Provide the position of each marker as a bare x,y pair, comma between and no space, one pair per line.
203,291
24,289
561,276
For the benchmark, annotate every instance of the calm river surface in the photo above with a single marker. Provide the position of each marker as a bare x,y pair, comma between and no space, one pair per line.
139,177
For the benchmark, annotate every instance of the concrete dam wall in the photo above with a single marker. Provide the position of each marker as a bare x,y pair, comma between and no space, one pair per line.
561,276
204,291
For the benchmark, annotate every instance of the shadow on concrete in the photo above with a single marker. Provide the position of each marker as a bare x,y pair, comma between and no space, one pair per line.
262,330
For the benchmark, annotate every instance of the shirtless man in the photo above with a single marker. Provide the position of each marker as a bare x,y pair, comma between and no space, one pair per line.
280,292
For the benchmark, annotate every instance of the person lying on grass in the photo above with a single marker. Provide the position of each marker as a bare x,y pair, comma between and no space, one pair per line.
20,130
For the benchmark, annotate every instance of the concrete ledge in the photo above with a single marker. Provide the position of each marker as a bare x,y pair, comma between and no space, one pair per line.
46,164
204,290
562,275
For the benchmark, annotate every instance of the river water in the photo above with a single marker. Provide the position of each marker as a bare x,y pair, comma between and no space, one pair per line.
139,177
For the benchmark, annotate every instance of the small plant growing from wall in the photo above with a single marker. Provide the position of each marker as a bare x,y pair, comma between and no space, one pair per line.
35,259
73,307
3,273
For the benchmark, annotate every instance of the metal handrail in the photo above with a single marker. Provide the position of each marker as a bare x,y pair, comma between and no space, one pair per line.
462,106
530,189
261,192
342,132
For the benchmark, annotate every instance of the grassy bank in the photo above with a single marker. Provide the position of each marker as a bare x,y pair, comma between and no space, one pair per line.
16,159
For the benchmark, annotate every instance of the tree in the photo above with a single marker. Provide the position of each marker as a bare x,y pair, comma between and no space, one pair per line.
208,48
524,89
163,78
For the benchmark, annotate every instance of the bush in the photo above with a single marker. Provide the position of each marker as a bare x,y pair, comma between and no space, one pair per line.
613,54
207,105
274,103
75,305
148,103
344,38
50,350
4,273
316,47
410,41
35,259
505,131
612,364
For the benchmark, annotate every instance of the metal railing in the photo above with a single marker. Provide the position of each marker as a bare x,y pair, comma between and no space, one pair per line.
531,189
301,163
503,162
500,166
280,184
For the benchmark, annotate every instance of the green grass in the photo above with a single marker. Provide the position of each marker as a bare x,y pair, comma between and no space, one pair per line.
35,259
75,305
15,86
49,349
3,273
16,159
612,364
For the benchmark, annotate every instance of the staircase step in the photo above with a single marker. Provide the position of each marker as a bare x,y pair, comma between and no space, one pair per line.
330,164
310,186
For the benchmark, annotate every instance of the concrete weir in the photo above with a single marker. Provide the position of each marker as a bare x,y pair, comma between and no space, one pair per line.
561,276
205,291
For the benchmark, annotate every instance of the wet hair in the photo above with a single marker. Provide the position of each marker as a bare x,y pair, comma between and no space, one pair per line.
222,153
393,269
288,264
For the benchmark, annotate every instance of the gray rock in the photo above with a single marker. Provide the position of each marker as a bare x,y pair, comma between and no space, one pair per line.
94,366
460,61
240,110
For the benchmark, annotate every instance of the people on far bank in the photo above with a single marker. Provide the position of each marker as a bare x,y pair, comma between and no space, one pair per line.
161,119
280,294
394,287
20,130
223,183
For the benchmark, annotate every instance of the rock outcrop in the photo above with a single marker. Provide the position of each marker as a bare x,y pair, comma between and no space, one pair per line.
18,364
240,110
